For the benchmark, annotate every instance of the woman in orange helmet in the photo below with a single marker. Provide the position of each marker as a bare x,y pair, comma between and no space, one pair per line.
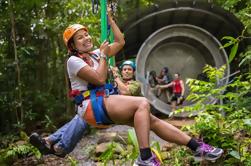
87,71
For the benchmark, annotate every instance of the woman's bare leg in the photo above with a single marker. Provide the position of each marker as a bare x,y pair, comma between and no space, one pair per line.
167,95
173,106
135,110
159,91
168,132
128,110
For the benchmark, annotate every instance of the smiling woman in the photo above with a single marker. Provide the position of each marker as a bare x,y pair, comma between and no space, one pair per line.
82,40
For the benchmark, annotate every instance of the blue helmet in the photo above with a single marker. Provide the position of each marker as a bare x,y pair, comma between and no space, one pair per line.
130,63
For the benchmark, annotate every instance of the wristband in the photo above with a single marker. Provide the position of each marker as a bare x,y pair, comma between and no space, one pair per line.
102,55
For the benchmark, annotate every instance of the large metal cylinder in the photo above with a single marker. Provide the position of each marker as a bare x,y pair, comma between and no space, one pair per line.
183,35
184,49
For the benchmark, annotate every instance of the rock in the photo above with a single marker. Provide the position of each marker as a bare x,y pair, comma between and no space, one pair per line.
100,148
106,137
167,147
21,142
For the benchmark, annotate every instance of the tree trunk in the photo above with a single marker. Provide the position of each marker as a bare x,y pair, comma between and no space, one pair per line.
19,106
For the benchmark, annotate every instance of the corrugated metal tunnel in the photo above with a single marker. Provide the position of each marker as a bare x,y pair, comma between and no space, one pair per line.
182,35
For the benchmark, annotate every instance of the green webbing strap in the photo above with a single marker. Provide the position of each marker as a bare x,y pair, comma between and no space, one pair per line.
103,20
104,31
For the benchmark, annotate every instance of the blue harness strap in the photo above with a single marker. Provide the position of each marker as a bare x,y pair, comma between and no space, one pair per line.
95,106
98,104
111,89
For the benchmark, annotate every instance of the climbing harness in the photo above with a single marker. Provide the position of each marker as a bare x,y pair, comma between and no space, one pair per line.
96,95
97,103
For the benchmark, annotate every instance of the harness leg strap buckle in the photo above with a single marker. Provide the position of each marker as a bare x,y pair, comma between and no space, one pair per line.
107,93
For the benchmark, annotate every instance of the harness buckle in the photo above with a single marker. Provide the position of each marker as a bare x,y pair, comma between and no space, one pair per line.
107,93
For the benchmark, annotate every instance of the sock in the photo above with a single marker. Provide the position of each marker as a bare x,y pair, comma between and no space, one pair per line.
193,144
145,153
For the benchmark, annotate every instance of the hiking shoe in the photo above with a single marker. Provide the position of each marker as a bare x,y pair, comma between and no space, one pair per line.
36,140
152,161
207,152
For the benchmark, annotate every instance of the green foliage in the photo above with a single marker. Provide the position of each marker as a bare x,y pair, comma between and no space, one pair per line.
246,57
242,10
155,145
5,140
235,43
108,154
178,156
130,153
126,8
73,161
22,150
48,122
132,140
41,53
18,149
226,125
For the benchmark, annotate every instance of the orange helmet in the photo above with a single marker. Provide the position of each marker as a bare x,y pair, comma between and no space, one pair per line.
71,30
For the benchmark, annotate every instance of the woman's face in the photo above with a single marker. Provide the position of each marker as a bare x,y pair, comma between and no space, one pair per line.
82,41
127,72
176,76
163,71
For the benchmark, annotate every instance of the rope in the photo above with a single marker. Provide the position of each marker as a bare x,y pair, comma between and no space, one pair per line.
108,31
113,6
95,6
